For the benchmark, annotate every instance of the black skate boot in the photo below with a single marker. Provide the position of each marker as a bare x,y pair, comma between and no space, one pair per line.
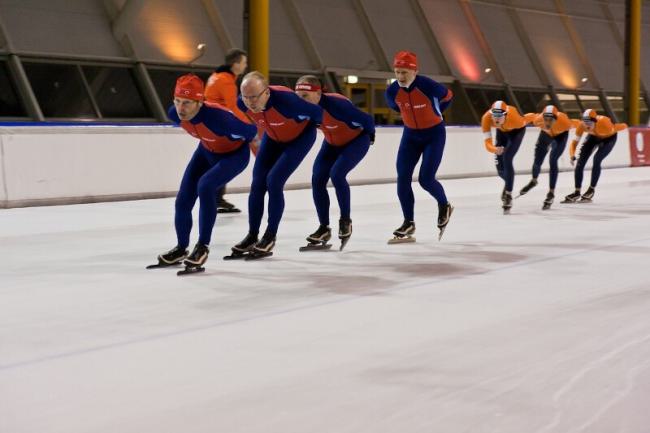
530,185
345,231
173,257
194,262
317,241
444,214
548,201
403,233
224,206
507,203
588,195
243,248
573,197
263,248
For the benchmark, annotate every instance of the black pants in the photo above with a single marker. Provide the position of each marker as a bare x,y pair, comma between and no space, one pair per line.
604,146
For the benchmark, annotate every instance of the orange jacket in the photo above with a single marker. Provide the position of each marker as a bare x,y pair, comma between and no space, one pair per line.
514,120
604,128
222,89
561,125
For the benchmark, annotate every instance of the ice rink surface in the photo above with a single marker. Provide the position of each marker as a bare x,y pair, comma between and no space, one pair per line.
534,322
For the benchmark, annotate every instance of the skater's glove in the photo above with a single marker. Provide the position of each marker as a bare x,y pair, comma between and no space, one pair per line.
499,150
573,160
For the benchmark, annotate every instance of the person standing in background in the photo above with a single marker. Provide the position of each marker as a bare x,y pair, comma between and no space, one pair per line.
221,89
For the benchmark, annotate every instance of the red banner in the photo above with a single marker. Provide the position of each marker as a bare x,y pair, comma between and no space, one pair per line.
639,146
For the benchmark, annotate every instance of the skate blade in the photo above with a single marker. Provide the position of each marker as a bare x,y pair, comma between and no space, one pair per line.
258,256
569,201
164,265
190,271
585,200
344,242
546,207
443,228
316,247
234,210
238,256
406,240
506,211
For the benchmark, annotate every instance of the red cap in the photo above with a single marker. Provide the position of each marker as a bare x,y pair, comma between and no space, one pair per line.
406,60
307,87
189,86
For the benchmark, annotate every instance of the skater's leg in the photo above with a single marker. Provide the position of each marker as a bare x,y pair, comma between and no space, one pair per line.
288,162
349,157
501,141
557,148
320,175
514,141
187,195
431,158
541,149
604,149
225,169
408,155
267,156
585,152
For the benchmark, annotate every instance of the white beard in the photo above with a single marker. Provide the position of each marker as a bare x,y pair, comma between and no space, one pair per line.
406,84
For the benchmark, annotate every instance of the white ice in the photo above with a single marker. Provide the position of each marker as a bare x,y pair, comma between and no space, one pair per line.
535,322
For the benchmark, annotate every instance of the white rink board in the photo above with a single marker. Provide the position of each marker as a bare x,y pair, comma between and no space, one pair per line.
46,165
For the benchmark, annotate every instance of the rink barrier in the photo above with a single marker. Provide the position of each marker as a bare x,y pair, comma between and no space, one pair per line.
639,146
67,164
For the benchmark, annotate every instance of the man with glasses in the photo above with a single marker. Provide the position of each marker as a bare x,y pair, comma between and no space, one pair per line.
289,125
223,152
511,127
553,136
602,136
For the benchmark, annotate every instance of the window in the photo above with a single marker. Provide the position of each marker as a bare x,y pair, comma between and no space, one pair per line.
532,101
618,107
593,102
379,98
116,92
616,102
10,105
478,101
164,80
494,95
359,94
460,111
59,90
569,105
482,99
